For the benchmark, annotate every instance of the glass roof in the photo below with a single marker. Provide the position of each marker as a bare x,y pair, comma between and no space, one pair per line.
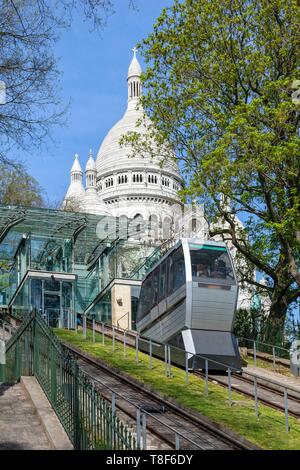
16,221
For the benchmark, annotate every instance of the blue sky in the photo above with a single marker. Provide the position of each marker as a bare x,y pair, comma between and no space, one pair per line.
94,69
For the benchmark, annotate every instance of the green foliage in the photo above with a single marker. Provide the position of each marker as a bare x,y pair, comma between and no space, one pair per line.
255,324
17,187
220,89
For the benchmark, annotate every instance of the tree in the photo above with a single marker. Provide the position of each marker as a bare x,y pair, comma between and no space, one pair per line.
28,67
17,187
220,88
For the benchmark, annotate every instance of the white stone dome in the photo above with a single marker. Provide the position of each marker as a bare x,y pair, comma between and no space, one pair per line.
112,156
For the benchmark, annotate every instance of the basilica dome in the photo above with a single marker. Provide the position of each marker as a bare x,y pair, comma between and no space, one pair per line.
114,158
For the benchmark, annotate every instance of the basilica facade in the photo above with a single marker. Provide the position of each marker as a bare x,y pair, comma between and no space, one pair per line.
138,188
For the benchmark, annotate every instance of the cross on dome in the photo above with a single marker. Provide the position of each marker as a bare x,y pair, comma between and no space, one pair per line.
134,50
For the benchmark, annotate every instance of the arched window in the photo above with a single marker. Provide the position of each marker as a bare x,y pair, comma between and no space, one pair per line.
153,227
166,228
137,226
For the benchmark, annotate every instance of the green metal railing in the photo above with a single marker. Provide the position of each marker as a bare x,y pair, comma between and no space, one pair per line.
88,418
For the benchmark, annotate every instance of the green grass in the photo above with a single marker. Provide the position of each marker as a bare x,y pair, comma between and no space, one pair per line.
267,431
280,369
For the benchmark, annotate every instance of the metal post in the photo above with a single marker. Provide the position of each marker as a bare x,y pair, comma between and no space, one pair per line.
229,386
113,404
169,362
84,327
2,360
124,338
186,369
286,410
144,427
77,422
177,442
206,378
113,338
150,353
138,428
94,335
255,397
102,333
254,352
274,359
137,349
166,360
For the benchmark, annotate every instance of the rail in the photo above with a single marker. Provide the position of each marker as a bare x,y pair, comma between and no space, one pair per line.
277,355
119,320
141,411
158,349
88,419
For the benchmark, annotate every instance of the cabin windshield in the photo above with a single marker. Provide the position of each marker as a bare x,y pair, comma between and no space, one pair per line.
211,263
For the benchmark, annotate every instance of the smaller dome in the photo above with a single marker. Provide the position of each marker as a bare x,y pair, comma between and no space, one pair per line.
76,168
134,68
90,165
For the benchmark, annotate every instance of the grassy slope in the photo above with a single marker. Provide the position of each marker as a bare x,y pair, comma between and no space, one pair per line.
269,366
268,431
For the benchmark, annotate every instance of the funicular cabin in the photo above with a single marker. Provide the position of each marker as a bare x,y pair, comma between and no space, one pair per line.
188,299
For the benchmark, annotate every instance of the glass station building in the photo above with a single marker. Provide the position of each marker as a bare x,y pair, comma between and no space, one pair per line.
65,263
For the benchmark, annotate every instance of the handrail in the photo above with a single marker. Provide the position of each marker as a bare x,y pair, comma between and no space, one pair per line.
118,322
232,368
265,344
27,320
61,370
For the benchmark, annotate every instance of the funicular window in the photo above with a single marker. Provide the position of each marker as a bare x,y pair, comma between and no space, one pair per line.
211,263
155,287
144,303
162,280
176,270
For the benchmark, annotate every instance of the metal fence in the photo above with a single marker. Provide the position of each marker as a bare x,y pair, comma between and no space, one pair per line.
88,419
267,351
171,355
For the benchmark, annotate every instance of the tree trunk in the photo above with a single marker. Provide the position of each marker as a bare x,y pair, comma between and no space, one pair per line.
274,333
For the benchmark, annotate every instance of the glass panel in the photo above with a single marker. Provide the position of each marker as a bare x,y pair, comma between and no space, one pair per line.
66,294
144,304
154,287
162,280
176,270
102,309
211,263
36,294
135,294
52,285
52,309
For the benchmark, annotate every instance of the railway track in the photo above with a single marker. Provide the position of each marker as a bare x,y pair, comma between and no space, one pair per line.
194,431
270,395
